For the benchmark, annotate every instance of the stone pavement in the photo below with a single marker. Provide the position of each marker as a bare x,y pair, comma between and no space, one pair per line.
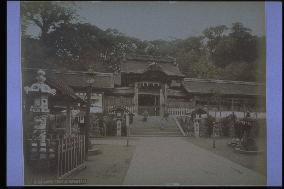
155,126
175,161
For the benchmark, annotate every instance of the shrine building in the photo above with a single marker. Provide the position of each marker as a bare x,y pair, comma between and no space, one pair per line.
156,85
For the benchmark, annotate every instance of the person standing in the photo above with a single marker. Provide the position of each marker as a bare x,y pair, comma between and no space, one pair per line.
145,115
161,124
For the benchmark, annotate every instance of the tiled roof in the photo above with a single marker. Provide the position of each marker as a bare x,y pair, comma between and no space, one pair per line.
123,90
140,66
79,79
29,75
177,93
150,58
206,86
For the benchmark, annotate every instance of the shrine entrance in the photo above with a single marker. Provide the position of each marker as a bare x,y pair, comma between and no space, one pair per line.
149,103
150,91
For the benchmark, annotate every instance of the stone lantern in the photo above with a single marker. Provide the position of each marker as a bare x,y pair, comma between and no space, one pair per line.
39,92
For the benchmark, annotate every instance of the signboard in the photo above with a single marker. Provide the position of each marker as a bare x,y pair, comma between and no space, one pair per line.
96,109
96,102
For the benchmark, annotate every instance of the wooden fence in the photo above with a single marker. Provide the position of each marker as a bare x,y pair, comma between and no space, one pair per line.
63,156
71,155
179,111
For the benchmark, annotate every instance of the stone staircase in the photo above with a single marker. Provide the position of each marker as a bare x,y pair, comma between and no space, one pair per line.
152,127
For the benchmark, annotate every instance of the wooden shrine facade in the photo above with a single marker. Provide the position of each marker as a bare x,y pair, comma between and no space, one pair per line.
158,86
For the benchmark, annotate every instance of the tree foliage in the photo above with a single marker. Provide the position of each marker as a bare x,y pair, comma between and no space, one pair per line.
46,15
219,52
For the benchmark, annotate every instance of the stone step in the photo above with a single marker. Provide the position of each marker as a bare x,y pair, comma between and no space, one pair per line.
173,125
154,128
156,135
159,131
154,131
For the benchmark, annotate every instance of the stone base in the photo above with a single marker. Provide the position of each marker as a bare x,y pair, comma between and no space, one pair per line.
94,151
241,151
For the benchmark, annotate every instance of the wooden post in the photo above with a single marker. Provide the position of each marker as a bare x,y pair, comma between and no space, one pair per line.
136,98
127,129
87,121
58,157
68,120
162,101
166,98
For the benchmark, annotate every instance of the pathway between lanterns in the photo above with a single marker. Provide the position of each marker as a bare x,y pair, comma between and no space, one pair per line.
175,161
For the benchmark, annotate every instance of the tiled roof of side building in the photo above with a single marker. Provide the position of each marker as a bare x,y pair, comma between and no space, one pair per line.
79,79
225,87
29,77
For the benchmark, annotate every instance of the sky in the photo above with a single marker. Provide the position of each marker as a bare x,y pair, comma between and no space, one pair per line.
168,20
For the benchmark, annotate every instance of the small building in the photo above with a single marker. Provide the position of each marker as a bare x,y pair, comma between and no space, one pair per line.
60,105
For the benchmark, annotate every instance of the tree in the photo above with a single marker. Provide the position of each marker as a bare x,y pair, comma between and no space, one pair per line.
77,45
223,54
260,62
189,54
85,46
244,43
212,36
239,71
36,54
46,15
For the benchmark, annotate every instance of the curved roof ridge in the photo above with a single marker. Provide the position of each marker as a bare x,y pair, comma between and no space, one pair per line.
167,59
224,81
69,71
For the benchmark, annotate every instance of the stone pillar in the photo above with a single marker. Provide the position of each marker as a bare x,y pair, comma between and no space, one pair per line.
136,98
39,91
196,128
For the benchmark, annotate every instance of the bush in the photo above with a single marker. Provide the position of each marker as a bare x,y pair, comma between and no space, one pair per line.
227,125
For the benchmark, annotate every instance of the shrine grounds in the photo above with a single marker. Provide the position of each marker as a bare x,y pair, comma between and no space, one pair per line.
119,164
256,162
108,167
